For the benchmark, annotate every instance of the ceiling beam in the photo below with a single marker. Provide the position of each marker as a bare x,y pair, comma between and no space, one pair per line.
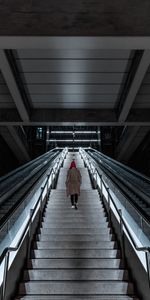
12,86
73,42
101,117
136,83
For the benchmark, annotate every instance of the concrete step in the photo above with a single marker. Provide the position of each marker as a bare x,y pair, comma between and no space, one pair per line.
66,297
82,199
90,197
69,210
77,274
75,216
77,237
85,186
73,212
74,220
76,288
78,263
76,253
74,225
59,192
75,245
93,198
85,195
84,191
65,205
75,230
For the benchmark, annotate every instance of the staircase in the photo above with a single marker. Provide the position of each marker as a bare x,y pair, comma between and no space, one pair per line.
75,254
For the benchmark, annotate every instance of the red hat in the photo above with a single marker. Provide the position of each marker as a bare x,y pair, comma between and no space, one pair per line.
73,164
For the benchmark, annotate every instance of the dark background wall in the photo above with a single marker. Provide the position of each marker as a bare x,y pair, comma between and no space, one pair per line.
140,160
8,161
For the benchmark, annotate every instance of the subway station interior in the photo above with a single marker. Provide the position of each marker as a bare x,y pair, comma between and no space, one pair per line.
75,87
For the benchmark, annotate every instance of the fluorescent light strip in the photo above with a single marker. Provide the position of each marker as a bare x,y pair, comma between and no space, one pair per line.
75,141
84,132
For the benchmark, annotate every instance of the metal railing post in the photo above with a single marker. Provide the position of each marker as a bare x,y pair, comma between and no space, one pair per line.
47,189
122,235
41,206
109,210
101,187
95,179
147,254
52,176
29,235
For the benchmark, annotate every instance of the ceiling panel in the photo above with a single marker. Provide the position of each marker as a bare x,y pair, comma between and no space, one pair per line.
102,54
73,88
73,98
73,101
73,78
72,65
75,105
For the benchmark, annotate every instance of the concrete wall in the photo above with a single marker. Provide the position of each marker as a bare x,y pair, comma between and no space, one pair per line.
82,18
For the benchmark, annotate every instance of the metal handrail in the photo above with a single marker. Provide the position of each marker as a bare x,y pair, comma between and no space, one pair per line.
134,187
17,204
145,249
132,203
6,252
132,171
33,211
2,178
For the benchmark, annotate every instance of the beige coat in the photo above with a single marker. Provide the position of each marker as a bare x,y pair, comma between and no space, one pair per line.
73,182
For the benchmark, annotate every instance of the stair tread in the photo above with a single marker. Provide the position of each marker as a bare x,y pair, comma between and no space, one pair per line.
77,274
74,226
76,288
75,237
87,297
75,231
75,245
75,253
97,263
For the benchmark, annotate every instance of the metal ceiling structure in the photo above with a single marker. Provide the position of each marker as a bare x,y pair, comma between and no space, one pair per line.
57,86
84,64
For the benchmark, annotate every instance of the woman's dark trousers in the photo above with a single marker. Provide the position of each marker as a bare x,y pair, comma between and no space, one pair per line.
74,199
